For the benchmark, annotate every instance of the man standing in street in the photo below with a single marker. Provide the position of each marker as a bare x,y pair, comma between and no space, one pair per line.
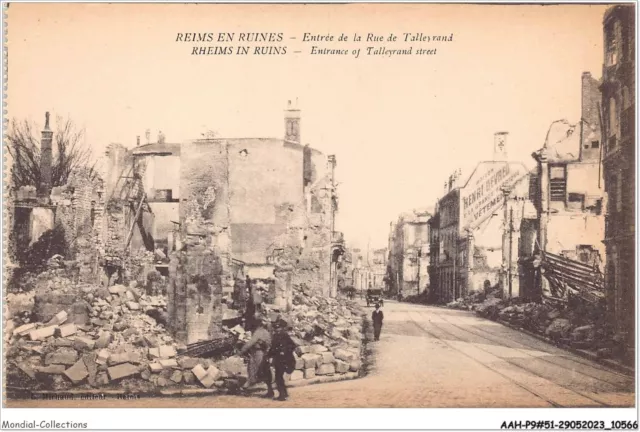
258,349
377,316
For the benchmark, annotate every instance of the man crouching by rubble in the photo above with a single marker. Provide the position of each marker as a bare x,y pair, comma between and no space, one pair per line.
258,349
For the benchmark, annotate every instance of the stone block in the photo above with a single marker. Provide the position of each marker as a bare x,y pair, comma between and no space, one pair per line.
311,360
67,330
327,357
187,362
203,376
341,366
188,377
309,373
24,329
119,358
122,371
84,343
199,371
155,367
176,376
145,374
317,348
43,333
133,305
78,372
167,351
103,357
343,354
51,370
296,375
168,363
117,289
59,318
299,363
64,356
214,372
325,369
154,353
302,349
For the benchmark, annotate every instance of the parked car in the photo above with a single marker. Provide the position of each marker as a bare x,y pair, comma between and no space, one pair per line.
374,296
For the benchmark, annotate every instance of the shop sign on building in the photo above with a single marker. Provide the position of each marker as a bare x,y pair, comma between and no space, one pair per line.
482,195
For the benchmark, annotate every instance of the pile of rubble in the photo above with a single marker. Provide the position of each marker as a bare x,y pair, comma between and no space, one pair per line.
117,335
469,302
87,337
328,335
422,298
577,325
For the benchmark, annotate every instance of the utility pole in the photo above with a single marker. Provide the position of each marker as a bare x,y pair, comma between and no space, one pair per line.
332,268
510,252
603,137
455,270
419,259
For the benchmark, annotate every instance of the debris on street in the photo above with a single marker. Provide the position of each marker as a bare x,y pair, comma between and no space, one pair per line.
81,336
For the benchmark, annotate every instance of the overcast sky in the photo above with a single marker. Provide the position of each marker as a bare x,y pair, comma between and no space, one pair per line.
398,126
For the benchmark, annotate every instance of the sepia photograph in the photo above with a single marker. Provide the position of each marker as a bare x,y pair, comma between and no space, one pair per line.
359,205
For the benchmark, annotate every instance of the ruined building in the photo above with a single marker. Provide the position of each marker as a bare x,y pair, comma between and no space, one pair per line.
619,141
409,253
379,267
569,200
258,207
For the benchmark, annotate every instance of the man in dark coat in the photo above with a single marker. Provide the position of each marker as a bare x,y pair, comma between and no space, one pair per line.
377,316
281,353
250,309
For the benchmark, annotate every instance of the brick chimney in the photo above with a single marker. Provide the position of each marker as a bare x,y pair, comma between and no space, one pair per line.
292,123
46,157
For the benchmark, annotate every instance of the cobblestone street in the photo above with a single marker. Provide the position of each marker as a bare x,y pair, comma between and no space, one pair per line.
433,357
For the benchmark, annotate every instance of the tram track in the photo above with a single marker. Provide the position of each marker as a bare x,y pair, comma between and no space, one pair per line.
497,370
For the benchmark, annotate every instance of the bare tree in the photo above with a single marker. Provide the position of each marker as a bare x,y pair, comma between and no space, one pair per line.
69,152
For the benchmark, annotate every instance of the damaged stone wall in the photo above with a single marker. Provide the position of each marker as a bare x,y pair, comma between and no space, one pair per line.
117,161
244,199
200,270
280,204
79,209
116,218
